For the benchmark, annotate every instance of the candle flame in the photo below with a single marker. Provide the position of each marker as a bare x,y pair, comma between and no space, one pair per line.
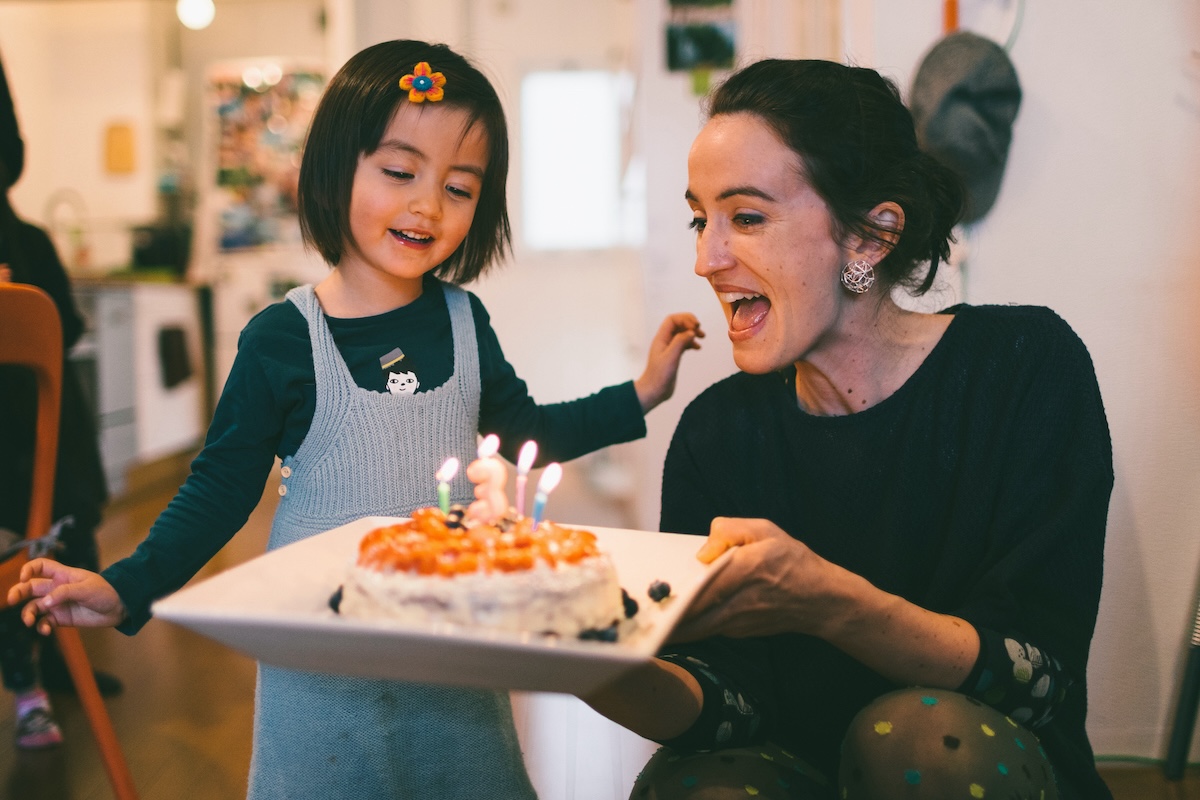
526,457
448,470
550,478
489,446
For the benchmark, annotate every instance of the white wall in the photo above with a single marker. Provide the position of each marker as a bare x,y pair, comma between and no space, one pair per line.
64,105
1096,219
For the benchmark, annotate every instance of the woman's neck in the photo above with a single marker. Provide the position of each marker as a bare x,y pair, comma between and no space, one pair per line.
867,361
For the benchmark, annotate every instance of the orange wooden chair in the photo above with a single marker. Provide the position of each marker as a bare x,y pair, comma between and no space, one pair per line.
31,336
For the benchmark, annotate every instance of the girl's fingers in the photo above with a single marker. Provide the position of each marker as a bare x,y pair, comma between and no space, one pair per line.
42,568
43,624
48,600
31,614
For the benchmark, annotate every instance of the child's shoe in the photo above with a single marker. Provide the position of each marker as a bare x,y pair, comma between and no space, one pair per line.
36,727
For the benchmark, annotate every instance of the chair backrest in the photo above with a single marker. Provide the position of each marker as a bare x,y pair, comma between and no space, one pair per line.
31,336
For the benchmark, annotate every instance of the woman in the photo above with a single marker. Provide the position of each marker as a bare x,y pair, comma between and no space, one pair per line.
27,255
911,500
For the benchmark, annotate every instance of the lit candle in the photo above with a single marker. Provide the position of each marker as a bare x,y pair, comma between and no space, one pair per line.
448,470
489,446
491,479
550,478
524,463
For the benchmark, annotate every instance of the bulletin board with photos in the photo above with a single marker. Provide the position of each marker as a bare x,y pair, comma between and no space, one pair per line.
258,116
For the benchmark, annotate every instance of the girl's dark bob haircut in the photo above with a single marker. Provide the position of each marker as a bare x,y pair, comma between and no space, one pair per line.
350,121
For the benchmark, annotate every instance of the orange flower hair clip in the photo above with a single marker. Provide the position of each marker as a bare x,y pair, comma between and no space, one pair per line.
423,84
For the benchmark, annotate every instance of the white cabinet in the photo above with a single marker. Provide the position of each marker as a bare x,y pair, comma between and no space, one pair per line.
144,342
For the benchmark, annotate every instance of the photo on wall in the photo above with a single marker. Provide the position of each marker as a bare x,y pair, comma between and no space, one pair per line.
700,35
706,45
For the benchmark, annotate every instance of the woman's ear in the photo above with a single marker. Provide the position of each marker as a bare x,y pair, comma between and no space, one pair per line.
888,221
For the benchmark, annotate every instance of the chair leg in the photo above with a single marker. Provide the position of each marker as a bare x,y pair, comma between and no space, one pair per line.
80,668
1185,710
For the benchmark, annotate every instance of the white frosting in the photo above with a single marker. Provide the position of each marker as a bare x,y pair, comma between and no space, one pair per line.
564,599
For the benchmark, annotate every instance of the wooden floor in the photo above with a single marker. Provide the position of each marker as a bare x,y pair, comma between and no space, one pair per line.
184,719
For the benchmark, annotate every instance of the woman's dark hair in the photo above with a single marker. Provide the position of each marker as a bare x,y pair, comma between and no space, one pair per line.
10,253
350,121
858,148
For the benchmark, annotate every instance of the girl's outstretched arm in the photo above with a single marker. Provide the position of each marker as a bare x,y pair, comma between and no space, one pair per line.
62,595
677,333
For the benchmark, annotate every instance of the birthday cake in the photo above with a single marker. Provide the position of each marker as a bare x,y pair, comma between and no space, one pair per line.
509,574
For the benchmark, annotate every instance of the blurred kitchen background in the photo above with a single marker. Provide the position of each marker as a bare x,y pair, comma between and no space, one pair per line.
162,158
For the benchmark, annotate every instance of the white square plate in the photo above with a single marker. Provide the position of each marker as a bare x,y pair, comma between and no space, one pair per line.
276,608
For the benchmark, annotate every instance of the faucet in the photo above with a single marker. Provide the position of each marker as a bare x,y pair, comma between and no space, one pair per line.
70,232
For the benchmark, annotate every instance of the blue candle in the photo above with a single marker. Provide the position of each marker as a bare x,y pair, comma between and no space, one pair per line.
524,463
550,478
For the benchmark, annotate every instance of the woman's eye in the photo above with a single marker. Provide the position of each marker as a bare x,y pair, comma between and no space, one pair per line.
697,224
747,219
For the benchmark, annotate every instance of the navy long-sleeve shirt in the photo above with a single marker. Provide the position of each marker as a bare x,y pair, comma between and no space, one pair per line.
267,406
979,489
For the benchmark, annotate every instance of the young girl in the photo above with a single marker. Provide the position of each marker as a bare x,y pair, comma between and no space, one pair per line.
363,385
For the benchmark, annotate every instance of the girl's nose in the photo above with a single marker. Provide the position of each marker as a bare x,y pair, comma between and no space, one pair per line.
427,201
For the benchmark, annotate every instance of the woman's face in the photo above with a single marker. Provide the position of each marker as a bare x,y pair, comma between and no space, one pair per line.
764,241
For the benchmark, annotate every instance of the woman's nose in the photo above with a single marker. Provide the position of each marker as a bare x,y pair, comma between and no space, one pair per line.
712,253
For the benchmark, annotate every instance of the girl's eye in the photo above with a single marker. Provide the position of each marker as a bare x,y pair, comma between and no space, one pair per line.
697,224
459,192
397,174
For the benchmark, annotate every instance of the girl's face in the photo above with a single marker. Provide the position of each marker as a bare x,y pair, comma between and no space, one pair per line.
764,241
414,198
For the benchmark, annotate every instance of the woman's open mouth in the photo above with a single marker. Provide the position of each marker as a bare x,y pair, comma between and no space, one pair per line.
748,310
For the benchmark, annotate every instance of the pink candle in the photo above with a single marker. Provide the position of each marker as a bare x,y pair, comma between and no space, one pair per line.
524,463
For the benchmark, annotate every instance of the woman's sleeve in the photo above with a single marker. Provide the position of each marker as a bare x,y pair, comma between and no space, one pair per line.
1035,599
562,430
225,485
735,680
738,701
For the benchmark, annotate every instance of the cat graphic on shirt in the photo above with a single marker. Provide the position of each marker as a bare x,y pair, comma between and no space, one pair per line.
402,382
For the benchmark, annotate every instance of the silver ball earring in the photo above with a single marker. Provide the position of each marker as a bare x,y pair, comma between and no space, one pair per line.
858,276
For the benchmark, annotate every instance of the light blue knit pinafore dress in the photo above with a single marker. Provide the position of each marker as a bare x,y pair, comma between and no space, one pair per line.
369,453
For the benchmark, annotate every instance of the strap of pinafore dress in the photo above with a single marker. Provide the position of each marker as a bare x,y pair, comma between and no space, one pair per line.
371,453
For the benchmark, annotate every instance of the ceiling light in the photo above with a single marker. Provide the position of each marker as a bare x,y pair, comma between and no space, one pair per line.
195,14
